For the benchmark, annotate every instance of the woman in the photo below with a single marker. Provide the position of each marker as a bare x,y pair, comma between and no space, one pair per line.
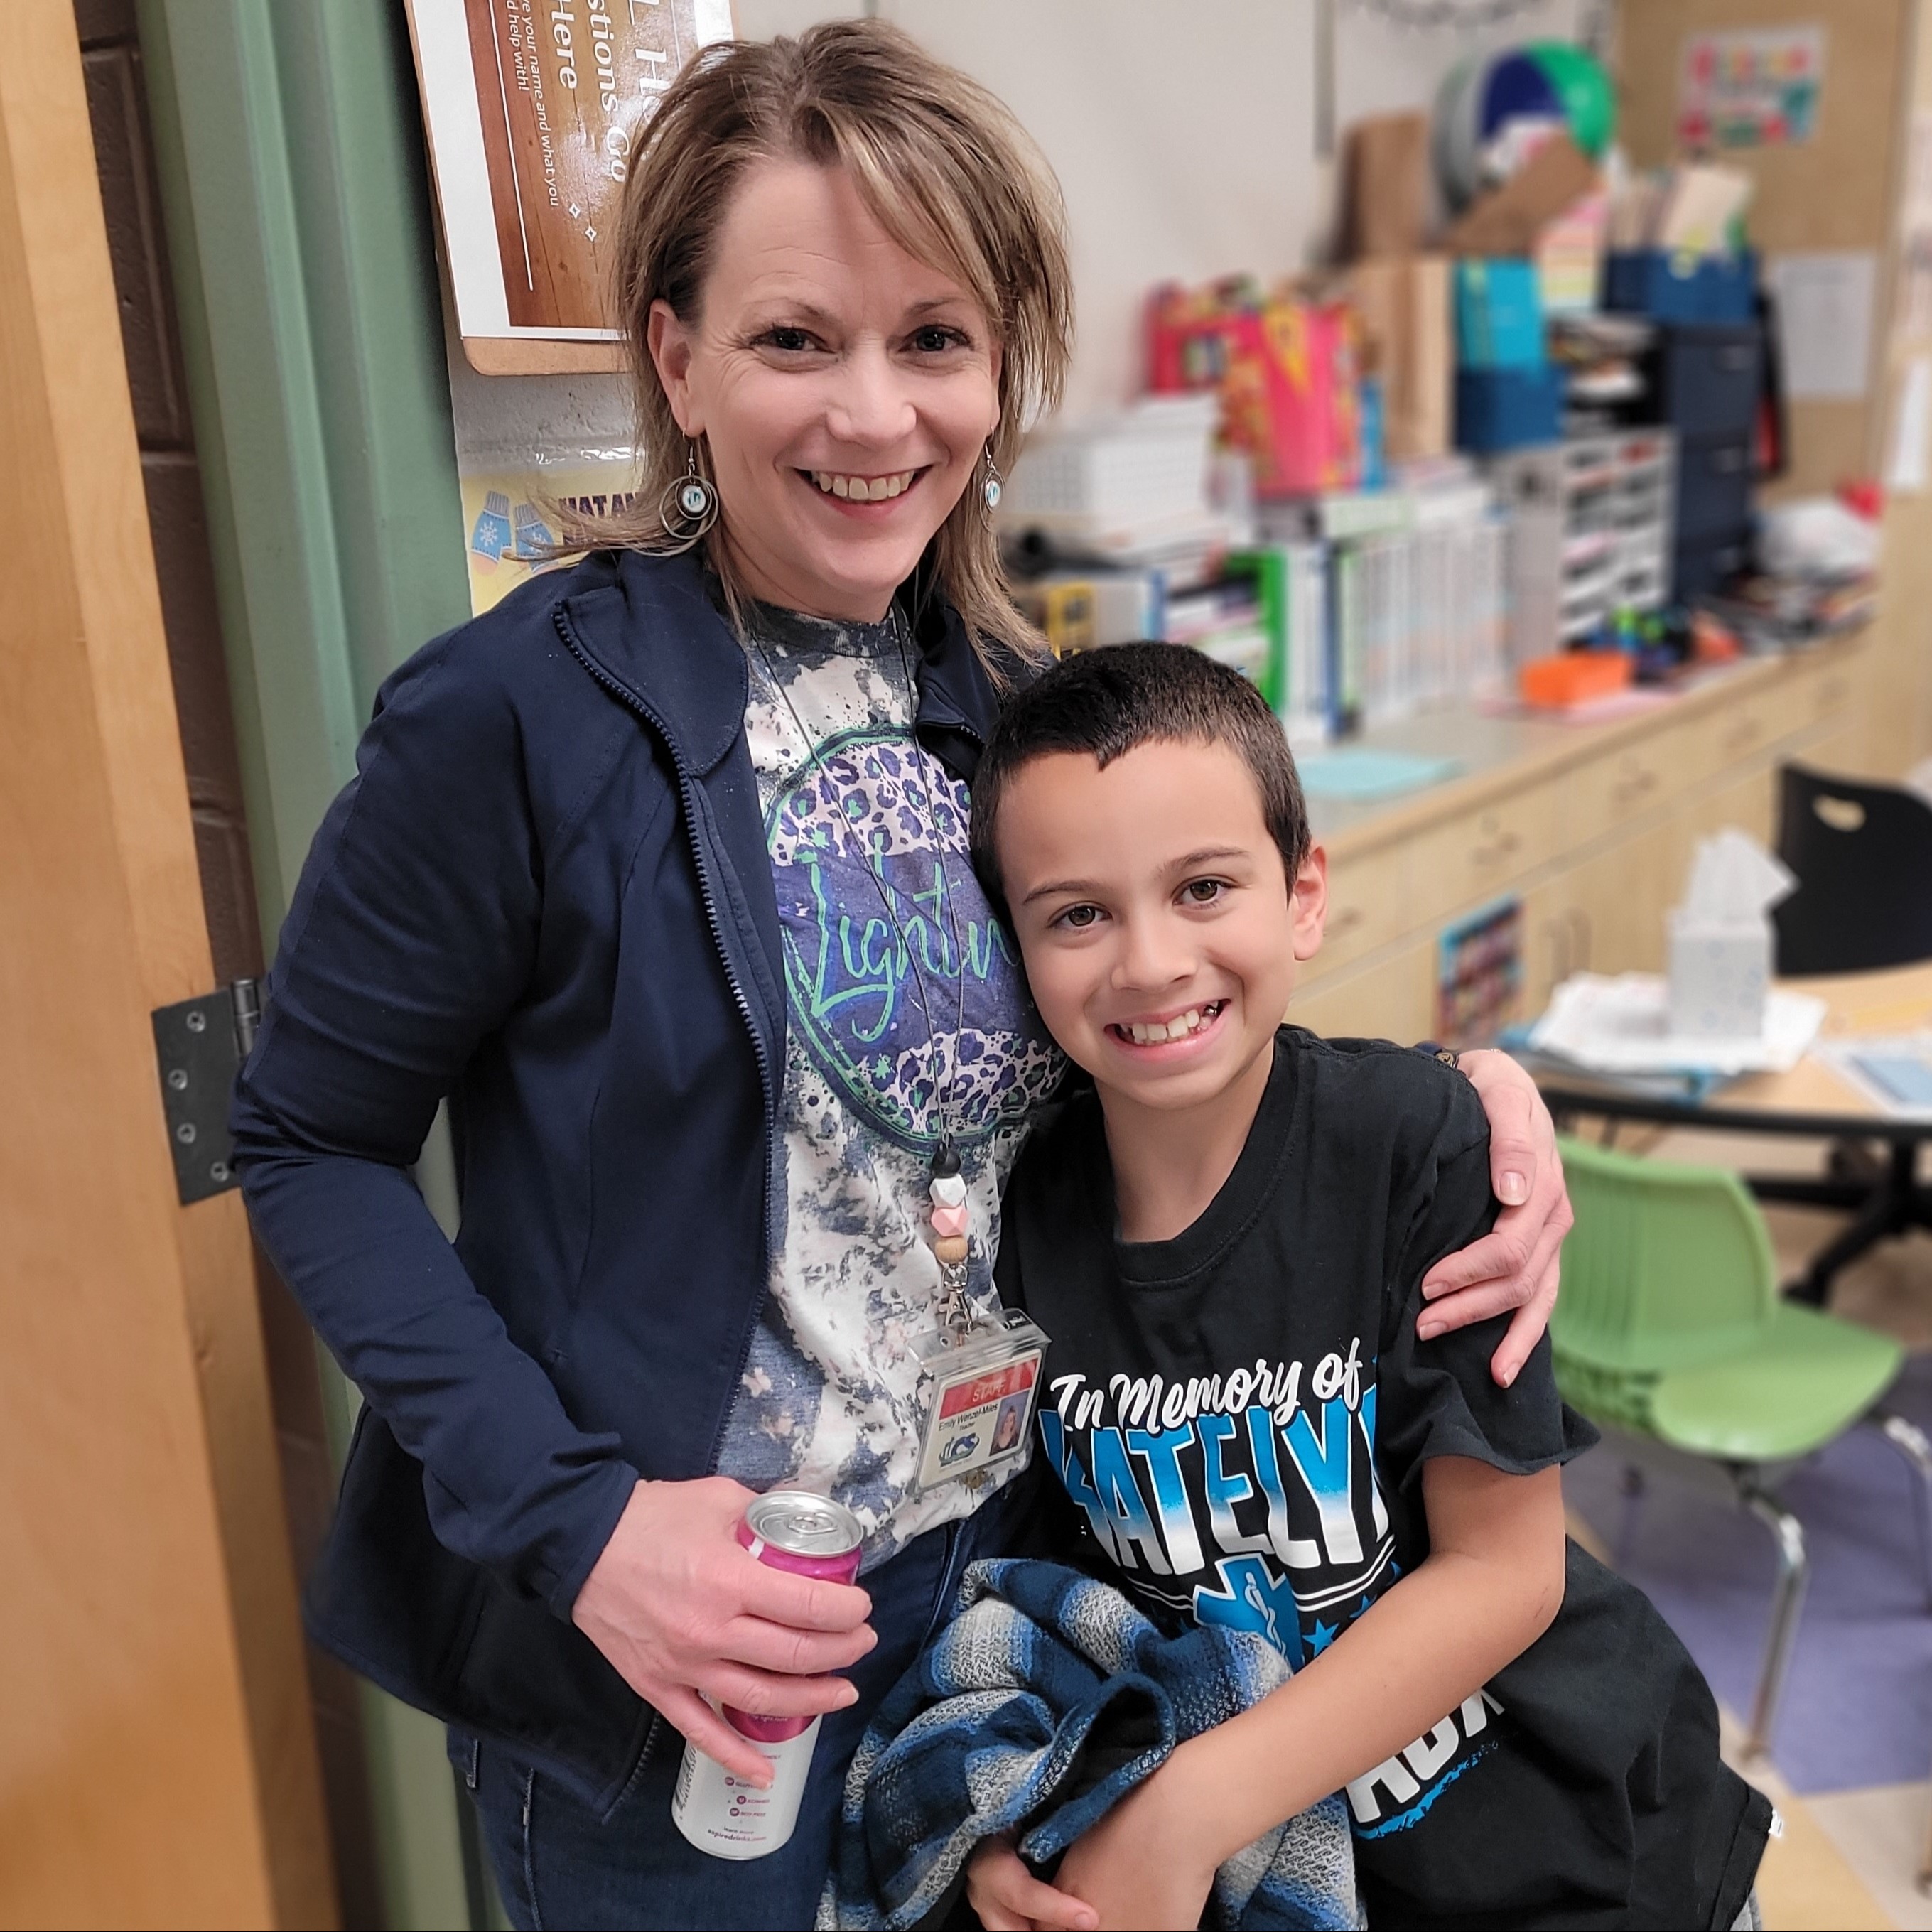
657,871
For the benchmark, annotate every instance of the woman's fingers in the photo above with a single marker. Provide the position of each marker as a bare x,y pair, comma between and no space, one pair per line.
702,1726
1525,1331
1522,1138
770,1695
764,1646
1500,1260
1515,1266
801,1603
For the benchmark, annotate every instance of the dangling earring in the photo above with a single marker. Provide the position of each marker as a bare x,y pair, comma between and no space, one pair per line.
690,506
991,488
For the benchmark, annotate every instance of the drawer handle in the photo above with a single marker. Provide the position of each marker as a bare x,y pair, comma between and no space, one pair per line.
1491,855
1727,462
1735,359
1345,920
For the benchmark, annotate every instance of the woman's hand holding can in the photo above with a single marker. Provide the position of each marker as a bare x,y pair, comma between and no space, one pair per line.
682,1609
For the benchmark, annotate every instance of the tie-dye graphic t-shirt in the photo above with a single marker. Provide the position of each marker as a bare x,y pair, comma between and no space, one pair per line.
882,919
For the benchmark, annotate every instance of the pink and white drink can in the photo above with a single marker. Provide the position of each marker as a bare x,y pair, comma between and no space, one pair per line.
716,1810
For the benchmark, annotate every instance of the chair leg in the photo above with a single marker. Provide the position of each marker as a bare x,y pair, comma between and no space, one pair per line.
1915,1446
1787,1599
1632,1486
1888,1211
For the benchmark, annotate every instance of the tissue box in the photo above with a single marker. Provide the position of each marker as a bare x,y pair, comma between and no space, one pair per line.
1720,975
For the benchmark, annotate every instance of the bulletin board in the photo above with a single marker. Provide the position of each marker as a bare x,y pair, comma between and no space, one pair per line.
533,108
1832,192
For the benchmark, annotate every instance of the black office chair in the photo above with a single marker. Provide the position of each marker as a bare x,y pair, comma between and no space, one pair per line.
1862,854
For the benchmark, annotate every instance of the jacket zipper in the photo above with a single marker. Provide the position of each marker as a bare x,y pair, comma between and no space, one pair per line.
686,790
687,795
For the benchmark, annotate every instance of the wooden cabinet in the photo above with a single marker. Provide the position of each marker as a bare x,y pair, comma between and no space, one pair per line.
1748,804
1393,999
1593,831
1367,906
1476,854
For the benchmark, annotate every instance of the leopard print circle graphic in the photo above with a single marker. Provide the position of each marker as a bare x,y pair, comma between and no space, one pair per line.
856,820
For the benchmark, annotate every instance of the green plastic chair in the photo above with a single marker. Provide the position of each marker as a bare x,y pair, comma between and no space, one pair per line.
1671,1335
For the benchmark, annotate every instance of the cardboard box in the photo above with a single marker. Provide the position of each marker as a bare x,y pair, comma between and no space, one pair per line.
1510,220
1403,307
1385,193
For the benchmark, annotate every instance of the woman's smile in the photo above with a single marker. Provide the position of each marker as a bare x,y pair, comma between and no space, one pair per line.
871,497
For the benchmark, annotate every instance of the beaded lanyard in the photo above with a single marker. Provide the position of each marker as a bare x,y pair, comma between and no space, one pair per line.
948,1214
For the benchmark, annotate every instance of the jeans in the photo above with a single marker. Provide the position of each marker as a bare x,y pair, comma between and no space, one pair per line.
557,1865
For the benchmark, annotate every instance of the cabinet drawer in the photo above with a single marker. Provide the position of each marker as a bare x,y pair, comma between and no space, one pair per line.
1605,792
1701,565
1714,486
1756,720
1828,691
1710,379
1367,904
1479,853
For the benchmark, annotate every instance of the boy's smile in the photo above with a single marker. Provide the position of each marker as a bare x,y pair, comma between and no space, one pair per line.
1159,926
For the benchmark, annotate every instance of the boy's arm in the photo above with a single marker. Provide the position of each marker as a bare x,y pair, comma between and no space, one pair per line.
1491,1585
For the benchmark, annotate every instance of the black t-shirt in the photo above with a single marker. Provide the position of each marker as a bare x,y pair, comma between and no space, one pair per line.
1238,1419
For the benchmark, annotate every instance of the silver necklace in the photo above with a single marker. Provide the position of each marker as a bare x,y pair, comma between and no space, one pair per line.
946,1184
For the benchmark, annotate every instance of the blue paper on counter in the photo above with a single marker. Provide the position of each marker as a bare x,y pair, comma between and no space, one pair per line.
1356,771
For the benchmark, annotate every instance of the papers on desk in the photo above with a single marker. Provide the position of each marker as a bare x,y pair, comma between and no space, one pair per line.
1622,1026
1894,1071
1360,771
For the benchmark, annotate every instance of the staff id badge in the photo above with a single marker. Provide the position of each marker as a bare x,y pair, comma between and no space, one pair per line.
979,1417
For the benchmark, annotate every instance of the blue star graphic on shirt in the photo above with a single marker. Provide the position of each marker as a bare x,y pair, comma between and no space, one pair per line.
1322,1637
1251,1597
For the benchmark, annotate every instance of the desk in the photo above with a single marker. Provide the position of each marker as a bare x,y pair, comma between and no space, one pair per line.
1811,1103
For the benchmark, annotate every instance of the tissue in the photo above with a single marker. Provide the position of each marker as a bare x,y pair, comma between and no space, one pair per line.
1720,939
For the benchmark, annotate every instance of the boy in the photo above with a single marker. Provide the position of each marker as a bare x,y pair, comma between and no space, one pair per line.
1225,1241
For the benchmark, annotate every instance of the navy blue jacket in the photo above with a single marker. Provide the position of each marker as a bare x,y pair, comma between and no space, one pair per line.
546,896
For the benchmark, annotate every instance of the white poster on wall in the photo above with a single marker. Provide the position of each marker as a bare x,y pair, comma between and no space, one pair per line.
1824,322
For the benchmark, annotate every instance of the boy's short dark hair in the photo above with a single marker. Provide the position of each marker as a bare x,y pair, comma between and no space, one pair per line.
1109,702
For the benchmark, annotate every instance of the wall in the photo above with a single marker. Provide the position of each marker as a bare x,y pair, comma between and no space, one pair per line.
1184,154
1839,191
1834,192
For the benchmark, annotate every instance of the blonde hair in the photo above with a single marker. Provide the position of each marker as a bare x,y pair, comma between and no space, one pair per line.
947,172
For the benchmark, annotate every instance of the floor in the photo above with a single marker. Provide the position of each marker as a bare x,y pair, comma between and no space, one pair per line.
1850,1766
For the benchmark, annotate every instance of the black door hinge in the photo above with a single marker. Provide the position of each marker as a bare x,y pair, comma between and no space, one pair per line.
200,1045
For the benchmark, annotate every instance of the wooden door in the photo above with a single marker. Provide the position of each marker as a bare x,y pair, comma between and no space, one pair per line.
156,1761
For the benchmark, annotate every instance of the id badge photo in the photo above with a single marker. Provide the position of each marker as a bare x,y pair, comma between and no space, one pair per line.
980,1394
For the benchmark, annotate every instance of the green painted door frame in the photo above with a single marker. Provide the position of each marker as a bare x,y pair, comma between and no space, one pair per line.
300,234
